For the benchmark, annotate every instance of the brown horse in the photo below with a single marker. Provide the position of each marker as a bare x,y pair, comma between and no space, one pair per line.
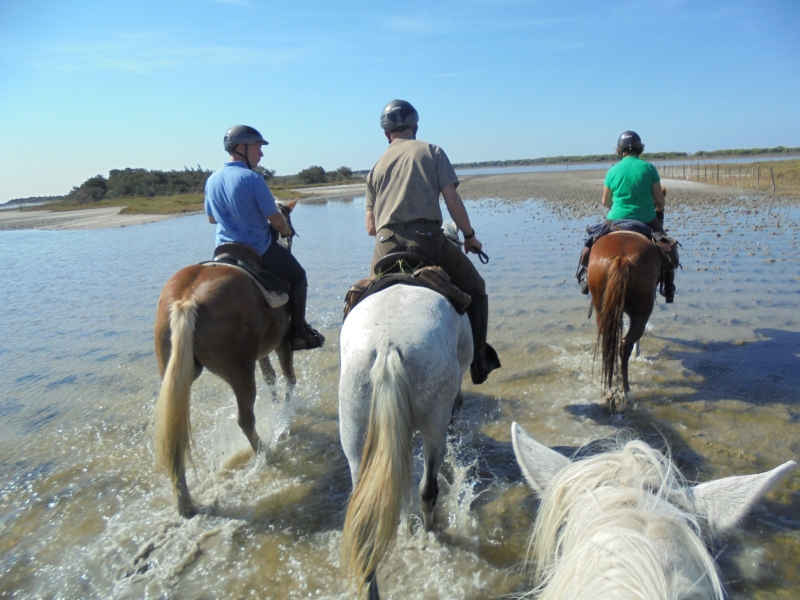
213,317
624,268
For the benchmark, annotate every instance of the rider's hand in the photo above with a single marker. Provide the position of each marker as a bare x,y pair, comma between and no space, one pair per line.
472,245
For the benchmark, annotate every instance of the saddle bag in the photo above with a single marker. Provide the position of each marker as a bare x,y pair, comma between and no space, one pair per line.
669,251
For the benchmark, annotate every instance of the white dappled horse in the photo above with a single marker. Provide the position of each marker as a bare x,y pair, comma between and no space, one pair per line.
404,351
624,524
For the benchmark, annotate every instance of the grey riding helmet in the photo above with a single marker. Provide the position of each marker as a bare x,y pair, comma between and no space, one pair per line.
398,115
242,134
629,141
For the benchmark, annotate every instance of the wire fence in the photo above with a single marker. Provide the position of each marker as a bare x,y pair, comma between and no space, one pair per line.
783,176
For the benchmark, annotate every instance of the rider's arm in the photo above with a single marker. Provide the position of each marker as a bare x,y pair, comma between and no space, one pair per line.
608,197
658,197
279,222
370,223
455,206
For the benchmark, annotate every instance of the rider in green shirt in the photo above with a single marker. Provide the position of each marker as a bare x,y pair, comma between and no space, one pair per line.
631,190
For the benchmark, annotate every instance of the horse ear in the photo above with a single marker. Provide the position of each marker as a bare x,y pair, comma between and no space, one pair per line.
290,205
539,464
724,502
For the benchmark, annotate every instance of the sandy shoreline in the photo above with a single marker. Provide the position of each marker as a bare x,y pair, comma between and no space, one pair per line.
89,218
570,193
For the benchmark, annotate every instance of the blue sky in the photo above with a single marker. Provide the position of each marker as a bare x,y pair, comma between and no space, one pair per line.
90,86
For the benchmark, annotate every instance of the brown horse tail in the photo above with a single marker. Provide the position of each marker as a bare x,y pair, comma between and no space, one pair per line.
384,478
172,429
609,322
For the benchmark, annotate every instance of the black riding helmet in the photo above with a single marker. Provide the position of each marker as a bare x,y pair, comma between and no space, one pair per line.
398,115
242,134
629,141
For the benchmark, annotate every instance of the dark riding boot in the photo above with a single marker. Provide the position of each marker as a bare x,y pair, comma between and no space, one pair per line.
583,269
302,336
484,358
668,286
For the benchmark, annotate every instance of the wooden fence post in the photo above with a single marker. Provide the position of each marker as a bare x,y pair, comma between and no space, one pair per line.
773,178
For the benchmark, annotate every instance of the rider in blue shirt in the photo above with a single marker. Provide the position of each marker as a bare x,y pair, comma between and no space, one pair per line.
240,204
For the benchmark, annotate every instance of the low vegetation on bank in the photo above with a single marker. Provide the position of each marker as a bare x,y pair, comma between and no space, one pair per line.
141,191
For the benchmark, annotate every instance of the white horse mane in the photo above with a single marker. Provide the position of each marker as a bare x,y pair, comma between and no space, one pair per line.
625,523
618,520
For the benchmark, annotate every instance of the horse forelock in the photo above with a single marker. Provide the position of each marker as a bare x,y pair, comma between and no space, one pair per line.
618,522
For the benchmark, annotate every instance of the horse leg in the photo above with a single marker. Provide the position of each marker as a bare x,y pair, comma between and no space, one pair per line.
631,339
244,386
185,507
372,586
269,376
429,486
286,359
459,401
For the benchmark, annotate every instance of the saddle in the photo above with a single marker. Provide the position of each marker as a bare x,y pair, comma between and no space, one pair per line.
668,246
241,256
406,266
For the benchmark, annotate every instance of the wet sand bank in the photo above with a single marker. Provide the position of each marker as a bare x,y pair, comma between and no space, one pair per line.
578,193
88,218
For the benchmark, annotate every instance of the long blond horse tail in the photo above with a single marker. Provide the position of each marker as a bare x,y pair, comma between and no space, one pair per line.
172,428
609,326
384,479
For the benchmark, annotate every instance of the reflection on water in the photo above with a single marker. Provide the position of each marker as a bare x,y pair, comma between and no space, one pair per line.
83,514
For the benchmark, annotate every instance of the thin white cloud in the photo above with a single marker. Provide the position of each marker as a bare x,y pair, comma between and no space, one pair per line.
147,53
242,3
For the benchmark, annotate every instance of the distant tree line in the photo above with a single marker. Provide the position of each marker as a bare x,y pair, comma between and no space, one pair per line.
749,151
141,183
130,183
315,174
598,158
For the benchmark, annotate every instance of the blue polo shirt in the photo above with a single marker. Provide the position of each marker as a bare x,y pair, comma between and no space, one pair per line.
240,202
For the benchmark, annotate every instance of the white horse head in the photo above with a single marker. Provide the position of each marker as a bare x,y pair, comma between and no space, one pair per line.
404,351
624,524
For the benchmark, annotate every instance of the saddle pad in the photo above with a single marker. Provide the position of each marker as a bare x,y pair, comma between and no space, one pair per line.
631,225
273,298
433,278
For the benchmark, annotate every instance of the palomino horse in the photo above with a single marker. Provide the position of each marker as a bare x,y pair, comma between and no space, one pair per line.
623,273
404,353
624,523
213,317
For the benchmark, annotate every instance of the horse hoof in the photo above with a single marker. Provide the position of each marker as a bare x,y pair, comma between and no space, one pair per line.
428,521
616,401
186,509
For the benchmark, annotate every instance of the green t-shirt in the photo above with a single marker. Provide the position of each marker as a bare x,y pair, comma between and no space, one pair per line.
631,182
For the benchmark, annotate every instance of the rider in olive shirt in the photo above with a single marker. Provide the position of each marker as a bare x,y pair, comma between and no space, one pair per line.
631,190
402,208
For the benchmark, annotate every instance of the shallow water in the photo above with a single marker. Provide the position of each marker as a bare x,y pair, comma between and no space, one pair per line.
84,515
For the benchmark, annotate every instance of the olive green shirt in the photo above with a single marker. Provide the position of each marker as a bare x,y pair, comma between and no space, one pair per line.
404,185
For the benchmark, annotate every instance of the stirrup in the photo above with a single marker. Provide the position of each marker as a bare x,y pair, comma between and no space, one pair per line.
581,275
308,339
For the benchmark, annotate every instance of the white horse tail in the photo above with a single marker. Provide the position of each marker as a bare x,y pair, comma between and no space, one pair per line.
172,429
384,478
